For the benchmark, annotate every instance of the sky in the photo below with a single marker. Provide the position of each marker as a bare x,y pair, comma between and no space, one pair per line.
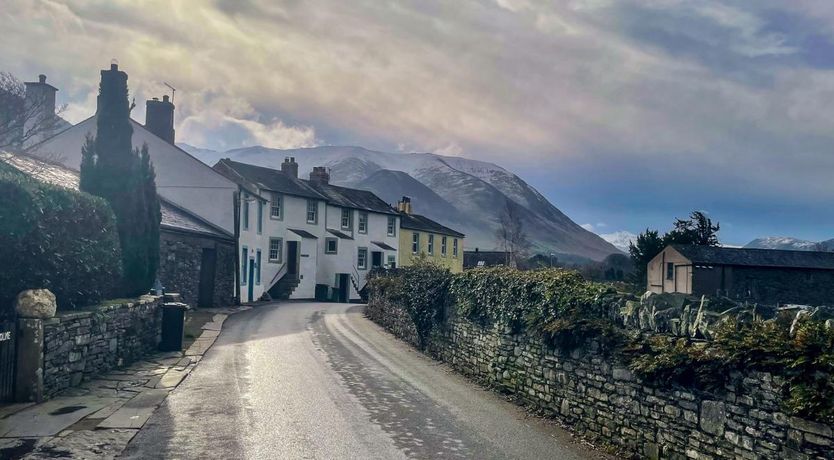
624,113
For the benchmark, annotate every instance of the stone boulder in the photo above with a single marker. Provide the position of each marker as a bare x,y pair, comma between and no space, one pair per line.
35,303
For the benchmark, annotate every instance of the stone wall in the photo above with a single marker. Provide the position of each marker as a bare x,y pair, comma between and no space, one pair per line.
79,345
599,398
181,257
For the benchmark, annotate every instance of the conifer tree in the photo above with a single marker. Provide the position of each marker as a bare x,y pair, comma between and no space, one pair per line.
112,169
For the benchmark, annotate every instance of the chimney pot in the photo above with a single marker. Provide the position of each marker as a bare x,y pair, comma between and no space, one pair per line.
289,166
320,175
164,98
42,78
114,66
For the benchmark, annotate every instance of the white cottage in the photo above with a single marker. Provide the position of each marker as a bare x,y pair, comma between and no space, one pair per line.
304,239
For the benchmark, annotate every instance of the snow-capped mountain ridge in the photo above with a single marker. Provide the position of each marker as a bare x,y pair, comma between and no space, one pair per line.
467,195
790,244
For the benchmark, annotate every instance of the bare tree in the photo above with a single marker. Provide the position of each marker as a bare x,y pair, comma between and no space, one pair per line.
22,121
512,239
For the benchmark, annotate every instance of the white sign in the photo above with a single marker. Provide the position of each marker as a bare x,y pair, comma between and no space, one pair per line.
5,336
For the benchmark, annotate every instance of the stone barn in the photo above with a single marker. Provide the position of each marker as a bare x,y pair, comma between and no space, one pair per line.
760,275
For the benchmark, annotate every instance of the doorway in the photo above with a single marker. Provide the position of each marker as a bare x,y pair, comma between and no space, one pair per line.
344,287
292,258
208,267
251,280
376,259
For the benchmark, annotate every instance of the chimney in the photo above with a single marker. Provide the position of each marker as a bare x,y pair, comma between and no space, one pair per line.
320,175
159,118
289,166
404,205
113,81
39,101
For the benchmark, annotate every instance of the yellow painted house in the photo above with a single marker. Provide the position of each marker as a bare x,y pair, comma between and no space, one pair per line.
421,237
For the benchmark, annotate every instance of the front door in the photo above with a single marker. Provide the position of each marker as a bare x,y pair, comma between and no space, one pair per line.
292,258
251,280
376,259
205,296
344,287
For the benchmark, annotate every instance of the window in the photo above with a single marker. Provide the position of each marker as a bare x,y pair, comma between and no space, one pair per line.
246,211
362,259
443,246
276,250
431,245
260,217
243,263
258,266
363,222
670,270
392,226
276,206
392,261
331,245
347,219
455,247
312,212
415,243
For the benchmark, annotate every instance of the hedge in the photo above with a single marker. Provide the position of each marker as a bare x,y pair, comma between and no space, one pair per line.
55,238
566,310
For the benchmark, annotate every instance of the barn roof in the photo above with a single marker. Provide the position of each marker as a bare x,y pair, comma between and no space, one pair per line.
756,257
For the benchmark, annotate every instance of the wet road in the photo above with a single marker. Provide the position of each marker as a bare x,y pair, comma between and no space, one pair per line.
313,380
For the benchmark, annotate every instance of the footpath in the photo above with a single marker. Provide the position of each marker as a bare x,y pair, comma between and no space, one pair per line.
97,419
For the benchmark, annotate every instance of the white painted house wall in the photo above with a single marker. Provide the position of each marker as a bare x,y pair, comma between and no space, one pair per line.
180,178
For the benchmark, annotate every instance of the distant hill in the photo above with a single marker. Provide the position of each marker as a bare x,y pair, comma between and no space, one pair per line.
620,240
467,195
790,244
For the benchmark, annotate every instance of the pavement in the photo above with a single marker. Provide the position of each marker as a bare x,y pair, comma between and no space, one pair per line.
97,419
320,381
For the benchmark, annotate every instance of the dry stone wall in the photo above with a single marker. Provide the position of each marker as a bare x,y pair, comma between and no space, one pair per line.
599,398
79,345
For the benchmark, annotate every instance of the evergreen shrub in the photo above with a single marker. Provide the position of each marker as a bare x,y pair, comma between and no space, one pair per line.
55,238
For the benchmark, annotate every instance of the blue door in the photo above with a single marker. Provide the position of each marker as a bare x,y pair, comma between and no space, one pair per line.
251,279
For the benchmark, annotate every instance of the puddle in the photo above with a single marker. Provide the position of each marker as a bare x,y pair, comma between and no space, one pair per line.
67,410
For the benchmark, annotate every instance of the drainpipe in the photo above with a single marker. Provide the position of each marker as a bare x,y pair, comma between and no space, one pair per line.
236,206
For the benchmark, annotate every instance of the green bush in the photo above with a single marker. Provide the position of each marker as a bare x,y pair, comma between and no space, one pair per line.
421,290
55,238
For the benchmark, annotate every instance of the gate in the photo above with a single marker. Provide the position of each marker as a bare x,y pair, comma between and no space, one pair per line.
8,353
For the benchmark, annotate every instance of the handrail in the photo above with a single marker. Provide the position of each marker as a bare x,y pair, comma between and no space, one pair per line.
281,272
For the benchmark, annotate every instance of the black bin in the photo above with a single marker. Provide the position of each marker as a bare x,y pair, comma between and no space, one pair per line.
173,326
321,292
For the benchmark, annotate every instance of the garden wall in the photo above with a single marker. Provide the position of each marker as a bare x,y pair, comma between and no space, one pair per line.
81,344
599,398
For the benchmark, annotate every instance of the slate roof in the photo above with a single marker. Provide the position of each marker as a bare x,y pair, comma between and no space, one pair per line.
489,258
268,179
339,234
173,216
423,223
352,198
303,233
757,257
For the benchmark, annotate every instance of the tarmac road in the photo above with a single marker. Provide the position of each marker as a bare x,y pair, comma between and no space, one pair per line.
318,380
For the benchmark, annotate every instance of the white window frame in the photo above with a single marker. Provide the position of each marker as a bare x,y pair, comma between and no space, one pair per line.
392,226
392,260
444,246
430,245
347,219
280,250
359,260
276,204
327,245
313,207
363,219
455,248
415,242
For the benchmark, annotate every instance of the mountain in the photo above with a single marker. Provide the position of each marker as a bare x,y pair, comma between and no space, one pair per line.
791,244
620,240
467,195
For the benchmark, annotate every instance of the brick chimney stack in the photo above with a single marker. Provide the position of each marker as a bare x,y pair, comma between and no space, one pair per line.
404,205
159,118
320,175
289,166
39,102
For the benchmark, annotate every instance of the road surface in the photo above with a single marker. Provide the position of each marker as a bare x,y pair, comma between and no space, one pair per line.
316,380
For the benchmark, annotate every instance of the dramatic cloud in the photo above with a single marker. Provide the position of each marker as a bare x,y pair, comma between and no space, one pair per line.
632,111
